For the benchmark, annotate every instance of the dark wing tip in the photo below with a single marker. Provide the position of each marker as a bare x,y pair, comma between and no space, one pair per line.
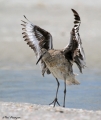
27,19
77,17
24,16
74,11
24,22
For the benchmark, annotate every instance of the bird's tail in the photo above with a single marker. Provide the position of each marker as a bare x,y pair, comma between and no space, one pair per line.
72,81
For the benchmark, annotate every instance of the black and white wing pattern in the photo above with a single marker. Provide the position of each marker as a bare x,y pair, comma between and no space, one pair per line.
74,50
37,38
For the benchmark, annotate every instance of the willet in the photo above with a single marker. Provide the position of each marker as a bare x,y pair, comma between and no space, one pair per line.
57,62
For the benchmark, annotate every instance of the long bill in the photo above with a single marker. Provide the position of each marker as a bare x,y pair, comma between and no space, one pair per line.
40,58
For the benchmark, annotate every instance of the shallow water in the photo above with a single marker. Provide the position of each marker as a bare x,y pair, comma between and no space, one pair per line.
29,86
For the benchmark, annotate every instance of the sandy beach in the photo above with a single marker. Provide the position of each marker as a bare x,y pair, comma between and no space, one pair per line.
26,111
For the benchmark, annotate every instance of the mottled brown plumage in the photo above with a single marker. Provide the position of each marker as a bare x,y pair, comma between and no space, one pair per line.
57,62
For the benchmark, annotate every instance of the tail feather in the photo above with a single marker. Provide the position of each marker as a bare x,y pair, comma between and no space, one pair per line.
72,81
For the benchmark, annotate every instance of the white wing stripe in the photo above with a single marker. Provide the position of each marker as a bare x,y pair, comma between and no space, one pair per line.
36,37
32,38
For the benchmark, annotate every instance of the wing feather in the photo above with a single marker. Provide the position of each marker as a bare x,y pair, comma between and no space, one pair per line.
37,38
74,50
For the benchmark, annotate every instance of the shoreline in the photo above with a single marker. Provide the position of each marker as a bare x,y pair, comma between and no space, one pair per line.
25,111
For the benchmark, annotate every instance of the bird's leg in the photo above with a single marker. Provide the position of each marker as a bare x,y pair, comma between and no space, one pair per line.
64,93
56,100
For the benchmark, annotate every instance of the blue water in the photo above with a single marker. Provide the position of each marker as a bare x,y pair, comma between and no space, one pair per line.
29,86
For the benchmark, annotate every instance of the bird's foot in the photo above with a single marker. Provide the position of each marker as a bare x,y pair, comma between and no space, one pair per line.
54,102
63,105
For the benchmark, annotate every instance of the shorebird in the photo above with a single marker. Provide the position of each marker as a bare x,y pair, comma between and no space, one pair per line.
59,63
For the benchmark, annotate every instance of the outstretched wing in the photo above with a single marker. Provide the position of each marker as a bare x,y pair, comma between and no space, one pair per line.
74,50
37,38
